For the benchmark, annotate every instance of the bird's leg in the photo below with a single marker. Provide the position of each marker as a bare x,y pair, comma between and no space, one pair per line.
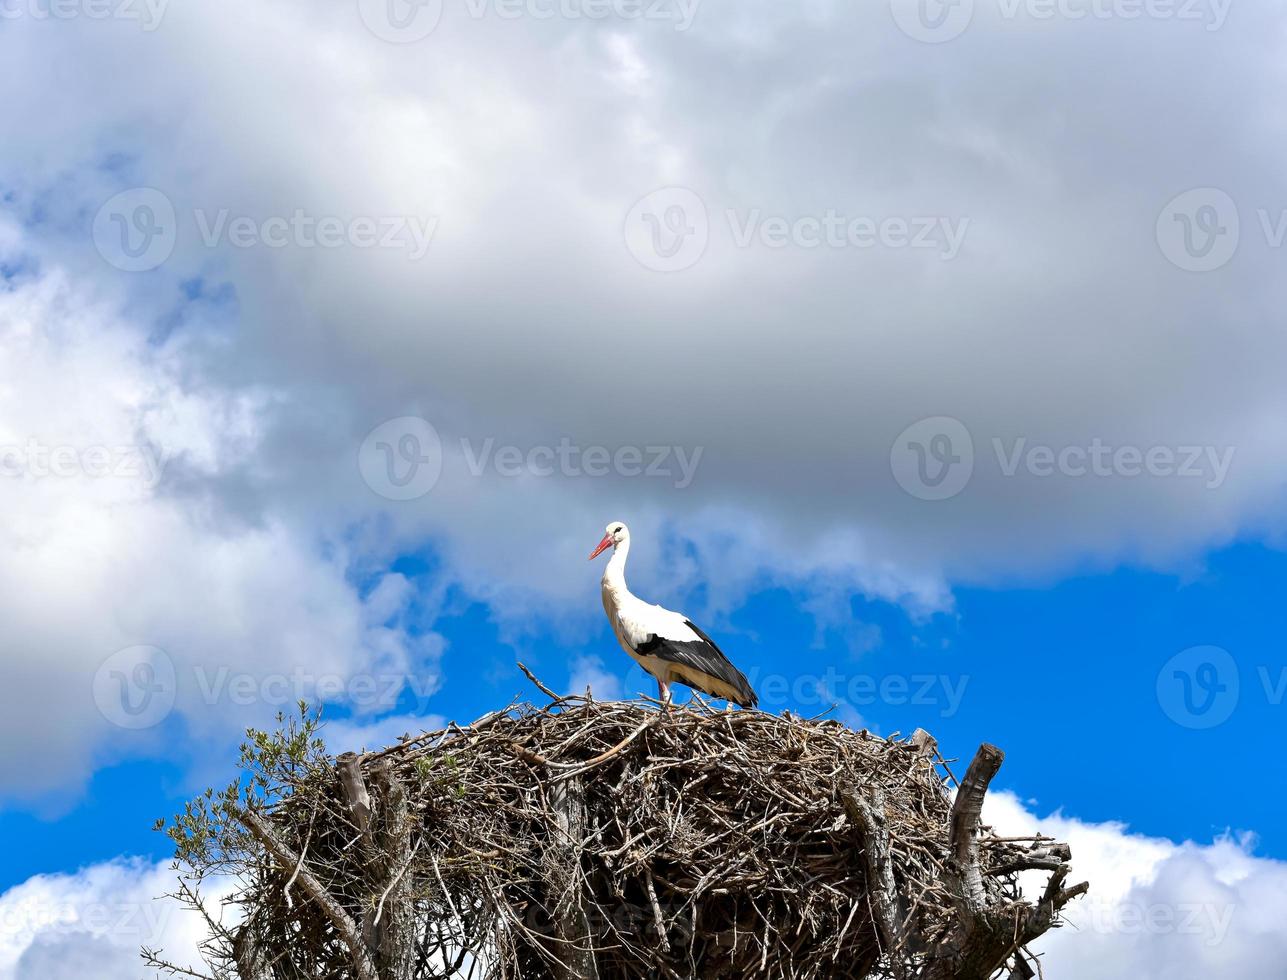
663,692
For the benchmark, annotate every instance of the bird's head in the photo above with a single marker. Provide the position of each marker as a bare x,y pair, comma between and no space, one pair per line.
617,533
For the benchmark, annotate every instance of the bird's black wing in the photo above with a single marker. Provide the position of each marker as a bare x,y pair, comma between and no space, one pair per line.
702,656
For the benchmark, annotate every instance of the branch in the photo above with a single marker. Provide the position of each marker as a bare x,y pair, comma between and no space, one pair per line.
349,767
287,859
532,677
1043,860
925,744
869,818
966,811
1057,896
1022,968
571,926
395,938
248,955
152,958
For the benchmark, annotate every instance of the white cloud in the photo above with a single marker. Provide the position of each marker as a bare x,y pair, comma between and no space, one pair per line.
589,672
94,922
96,558
1157,910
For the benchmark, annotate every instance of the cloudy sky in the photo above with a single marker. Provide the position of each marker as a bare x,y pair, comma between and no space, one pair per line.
933,352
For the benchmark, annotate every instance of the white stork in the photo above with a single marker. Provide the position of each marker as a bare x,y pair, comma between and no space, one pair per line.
665,643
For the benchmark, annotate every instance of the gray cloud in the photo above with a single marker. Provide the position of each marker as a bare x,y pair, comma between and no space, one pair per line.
1060,321
1050,148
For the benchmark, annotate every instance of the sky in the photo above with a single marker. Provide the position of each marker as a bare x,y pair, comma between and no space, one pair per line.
932,351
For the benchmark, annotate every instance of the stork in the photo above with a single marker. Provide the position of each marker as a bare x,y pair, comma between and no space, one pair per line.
665,643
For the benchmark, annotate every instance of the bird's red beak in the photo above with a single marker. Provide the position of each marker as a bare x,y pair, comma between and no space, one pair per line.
603,546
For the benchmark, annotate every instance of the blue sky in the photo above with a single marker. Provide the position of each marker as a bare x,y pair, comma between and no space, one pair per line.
936,364
1063,676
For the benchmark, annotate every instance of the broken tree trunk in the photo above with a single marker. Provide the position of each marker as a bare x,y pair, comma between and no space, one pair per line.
989,931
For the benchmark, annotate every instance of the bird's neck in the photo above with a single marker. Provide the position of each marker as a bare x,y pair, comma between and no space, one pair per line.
614,576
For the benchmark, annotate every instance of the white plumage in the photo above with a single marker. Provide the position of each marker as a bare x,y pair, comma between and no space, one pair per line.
665,643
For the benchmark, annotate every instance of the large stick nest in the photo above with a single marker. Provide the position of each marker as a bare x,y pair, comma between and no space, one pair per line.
633,841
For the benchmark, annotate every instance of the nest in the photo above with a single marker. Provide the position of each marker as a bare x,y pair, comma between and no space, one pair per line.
620,839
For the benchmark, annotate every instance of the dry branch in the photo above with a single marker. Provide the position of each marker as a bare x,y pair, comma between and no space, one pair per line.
609,840
291,863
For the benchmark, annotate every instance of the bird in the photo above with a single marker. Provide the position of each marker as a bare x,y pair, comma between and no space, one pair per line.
666,644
